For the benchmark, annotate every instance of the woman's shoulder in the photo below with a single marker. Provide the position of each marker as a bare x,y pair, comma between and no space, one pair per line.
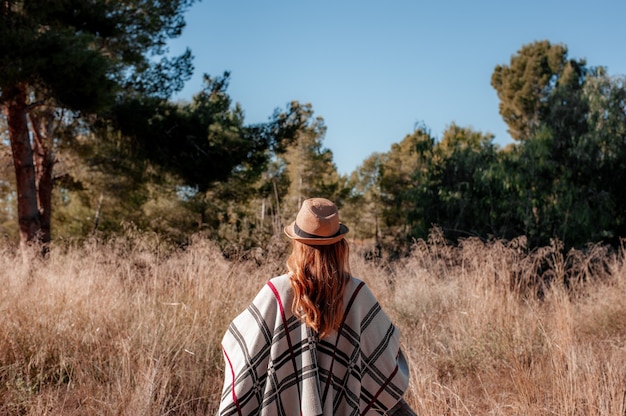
358,284
357,291
280,286
280,282
265,300
355,281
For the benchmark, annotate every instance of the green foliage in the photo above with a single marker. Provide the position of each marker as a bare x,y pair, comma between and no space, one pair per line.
566,114
404,175
195,167
61,62
201,142
388,190
50,46
561,180
465,185
308,165
82,54
364,207
561,172
525,86
605,147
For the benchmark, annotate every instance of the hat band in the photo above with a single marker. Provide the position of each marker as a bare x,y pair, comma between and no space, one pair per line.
300,233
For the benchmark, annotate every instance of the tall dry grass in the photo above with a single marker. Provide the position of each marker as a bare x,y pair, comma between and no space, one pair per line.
132,327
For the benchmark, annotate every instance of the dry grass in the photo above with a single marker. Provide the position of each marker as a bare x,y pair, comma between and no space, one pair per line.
132,327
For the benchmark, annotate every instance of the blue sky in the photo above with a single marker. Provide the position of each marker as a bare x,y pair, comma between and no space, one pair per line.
373,70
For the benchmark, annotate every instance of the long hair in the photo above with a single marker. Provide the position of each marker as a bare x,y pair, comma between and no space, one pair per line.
319,275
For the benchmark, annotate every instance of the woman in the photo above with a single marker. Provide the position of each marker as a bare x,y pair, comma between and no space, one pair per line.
314,341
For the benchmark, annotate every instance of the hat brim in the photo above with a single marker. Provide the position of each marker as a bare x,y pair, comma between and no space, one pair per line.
316,241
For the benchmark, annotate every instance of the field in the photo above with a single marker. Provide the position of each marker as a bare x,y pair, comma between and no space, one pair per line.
132,326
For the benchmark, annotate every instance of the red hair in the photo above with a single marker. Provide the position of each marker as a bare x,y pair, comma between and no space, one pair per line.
319,275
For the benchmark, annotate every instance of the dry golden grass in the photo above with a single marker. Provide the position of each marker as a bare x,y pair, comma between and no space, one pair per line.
133,327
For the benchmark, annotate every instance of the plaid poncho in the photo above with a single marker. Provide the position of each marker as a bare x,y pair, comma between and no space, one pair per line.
276,365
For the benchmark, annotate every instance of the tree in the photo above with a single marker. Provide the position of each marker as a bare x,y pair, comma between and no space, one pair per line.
8,223
258,184
405,193
561,169
309,165
201,141
603,150
467,183
63,60
525,86
364,206
219,161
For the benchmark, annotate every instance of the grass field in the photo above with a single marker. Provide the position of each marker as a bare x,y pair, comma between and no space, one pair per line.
133,327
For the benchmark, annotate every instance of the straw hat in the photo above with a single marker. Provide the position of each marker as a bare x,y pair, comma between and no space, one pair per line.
317,223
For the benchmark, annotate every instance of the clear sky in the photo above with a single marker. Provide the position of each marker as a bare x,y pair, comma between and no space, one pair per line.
373,70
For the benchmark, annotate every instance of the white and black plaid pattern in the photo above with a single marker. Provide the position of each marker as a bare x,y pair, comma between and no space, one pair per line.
276,365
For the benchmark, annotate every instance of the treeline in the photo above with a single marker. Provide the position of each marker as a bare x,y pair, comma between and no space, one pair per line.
92,144
563,178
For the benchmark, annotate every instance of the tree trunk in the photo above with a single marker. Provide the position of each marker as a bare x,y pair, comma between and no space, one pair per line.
43,128
29,217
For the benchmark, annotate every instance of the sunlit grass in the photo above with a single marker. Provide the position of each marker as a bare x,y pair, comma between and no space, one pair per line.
132,326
